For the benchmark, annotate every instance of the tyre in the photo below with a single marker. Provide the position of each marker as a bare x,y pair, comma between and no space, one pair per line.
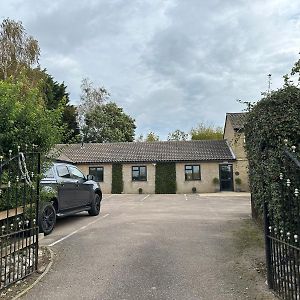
95,207
47,217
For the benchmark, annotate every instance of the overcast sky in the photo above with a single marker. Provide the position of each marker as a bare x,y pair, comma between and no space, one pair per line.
170,64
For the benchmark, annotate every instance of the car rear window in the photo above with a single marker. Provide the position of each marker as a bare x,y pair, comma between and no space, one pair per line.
63,171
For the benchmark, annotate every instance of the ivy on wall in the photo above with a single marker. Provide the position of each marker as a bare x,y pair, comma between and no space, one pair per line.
269,122
165,179
117,179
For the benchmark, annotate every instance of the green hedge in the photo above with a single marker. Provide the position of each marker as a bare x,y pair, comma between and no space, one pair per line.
270,121
117,179
165,179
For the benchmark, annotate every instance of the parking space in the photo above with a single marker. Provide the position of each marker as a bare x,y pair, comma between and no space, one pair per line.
148,247
200,206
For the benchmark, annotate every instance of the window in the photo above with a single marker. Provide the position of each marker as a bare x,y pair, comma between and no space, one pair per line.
192,172
75,173
63,171
97,172
139,173
49,173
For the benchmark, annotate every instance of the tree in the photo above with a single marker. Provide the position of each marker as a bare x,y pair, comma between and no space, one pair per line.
207,132
178,135
108,123
90,98
56,95
25,120
151,137
17,50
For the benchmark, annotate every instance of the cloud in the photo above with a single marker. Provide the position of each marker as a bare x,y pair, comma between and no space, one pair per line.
171,64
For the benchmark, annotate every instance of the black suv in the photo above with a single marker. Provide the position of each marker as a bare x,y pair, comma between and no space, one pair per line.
70,192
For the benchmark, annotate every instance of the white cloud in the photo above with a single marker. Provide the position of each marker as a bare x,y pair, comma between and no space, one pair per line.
170,63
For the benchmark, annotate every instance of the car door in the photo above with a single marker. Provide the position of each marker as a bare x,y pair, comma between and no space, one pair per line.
84,191
67,188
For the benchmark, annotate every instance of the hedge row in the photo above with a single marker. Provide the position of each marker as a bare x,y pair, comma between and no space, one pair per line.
271,121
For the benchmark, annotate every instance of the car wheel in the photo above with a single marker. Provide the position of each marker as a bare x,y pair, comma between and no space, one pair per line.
95,207
47,217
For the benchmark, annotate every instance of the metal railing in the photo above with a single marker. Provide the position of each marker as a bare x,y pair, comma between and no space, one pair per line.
19,198
282,230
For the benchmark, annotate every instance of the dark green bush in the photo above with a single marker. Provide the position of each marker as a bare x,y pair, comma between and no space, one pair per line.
270,121
117,179
165,179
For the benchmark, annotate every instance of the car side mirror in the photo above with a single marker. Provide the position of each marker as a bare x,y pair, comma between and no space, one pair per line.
90,177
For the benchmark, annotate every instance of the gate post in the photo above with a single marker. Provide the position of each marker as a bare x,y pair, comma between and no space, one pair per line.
267,246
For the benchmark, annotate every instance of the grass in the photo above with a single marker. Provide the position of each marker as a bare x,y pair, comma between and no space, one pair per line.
248,236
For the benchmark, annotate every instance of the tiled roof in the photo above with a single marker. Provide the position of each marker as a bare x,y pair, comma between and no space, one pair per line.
237,120
169,151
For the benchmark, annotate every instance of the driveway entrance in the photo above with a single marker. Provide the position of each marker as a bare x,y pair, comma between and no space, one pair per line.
150,247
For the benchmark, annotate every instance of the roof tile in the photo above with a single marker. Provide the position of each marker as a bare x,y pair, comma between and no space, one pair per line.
167,151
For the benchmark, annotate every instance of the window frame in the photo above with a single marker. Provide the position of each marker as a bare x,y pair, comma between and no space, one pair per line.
191,167
96,167
139,170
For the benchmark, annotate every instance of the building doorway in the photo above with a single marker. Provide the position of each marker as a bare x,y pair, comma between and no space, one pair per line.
226,177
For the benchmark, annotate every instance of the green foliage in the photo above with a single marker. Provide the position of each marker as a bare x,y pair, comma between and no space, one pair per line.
18,51
216,181
151,137
207,132
55,96
25,120
177,135
238,181
91,98
108,123
117,179
271,120
165,179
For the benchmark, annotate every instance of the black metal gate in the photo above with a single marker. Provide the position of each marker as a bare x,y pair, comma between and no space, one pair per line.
19,198
282,229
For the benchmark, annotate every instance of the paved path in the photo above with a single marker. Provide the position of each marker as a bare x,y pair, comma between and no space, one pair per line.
147,247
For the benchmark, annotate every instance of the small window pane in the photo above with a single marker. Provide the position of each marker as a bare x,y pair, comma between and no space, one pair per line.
97,172
143,171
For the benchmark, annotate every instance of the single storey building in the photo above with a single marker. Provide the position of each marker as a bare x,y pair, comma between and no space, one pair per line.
198,166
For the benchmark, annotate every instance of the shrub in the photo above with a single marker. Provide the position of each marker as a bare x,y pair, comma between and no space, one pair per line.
165,179
216,181
238,181
117,179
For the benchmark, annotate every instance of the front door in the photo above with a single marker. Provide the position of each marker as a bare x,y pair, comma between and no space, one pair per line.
226,177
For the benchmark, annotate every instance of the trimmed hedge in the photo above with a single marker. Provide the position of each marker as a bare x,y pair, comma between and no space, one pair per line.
165,179
270,121
117,179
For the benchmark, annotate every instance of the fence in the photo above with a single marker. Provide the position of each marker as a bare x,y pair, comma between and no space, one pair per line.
19,194
282,230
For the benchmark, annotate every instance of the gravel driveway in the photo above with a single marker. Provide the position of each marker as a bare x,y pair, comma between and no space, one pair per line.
150,247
